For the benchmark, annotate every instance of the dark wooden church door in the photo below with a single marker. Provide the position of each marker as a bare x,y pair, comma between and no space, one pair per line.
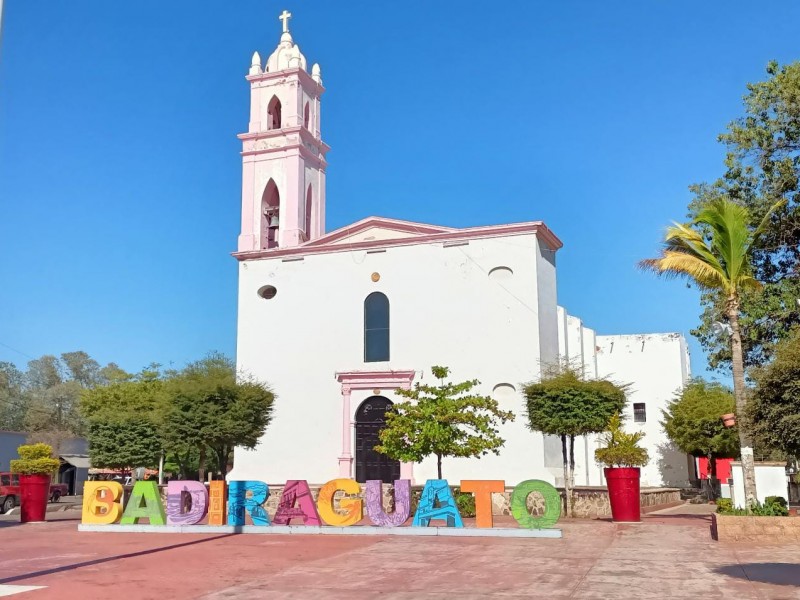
370,419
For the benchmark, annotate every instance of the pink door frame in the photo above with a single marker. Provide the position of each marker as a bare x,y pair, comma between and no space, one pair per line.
367,380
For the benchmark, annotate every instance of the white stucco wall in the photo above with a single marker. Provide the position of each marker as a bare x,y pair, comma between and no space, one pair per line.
656,366
446,309
770,481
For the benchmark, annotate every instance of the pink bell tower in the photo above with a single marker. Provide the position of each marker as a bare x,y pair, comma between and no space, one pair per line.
283,155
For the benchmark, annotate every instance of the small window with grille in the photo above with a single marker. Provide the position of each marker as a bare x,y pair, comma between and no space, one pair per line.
639,413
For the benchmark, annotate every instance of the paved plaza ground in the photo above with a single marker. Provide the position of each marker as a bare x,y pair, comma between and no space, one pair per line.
669,555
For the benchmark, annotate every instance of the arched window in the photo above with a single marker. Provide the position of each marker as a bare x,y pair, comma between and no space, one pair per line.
376,327
274,113
306,116
308,212
270,218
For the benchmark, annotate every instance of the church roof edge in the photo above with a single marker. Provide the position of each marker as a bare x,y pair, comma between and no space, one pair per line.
422,234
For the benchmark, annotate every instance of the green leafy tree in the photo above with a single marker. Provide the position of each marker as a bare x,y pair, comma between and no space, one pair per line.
212,409
762,168
693,422
566,404
442,420
774,408
125,421
13,401
714,252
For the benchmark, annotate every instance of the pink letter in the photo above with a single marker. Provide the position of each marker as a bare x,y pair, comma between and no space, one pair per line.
296,492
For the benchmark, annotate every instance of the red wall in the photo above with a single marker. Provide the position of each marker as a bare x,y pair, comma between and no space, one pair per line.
723,468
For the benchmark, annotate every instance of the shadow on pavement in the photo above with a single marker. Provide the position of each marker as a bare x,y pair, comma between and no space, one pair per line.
775,573
100,561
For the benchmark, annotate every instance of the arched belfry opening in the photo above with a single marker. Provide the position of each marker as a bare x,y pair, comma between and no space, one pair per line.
274,113
309,202
370,420
270,215
307,116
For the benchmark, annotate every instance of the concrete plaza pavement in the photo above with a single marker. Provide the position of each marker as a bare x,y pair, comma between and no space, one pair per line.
669,555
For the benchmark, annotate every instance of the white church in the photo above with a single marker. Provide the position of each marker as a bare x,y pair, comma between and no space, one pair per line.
337,321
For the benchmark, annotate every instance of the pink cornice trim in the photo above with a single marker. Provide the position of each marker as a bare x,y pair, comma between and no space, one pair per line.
536,227
304,77
365,380
369,222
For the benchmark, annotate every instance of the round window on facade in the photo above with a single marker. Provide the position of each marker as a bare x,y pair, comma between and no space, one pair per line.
267,292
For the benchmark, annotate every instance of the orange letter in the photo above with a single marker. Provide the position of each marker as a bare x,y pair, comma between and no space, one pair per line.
353,509
216,502
101,502
483,497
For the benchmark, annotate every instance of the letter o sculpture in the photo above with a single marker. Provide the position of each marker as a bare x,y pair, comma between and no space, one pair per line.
519,504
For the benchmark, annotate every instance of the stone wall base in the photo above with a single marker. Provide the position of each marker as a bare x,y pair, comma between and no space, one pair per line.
765,530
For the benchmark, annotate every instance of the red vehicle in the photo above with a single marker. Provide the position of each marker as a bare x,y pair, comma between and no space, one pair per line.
9,491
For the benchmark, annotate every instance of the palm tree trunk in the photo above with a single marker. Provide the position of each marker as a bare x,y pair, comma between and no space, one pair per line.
740,394
567,490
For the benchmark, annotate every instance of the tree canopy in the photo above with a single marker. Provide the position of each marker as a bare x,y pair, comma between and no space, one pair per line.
774,408
205,409
567,404
43,399
693,421
762,167
442,420
212,408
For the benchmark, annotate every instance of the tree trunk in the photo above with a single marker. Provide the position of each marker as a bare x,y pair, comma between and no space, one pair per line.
439,465
201,471
567,490
572,470
712,475
740,393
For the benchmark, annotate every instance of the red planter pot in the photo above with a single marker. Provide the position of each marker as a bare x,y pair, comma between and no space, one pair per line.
623,493
34,492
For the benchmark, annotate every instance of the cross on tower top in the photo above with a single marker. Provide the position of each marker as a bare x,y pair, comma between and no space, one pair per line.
285,16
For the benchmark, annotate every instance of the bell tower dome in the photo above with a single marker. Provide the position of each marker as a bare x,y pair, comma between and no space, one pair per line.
283,155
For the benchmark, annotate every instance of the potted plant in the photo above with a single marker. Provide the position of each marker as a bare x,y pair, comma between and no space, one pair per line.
35,465
622,457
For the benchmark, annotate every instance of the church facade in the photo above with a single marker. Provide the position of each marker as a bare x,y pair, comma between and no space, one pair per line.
337,322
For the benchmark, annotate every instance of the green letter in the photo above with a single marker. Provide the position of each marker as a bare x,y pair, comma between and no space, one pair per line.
145,501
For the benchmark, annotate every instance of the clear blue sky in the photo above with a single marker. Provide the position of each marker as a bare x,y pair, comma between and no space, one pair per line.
120,168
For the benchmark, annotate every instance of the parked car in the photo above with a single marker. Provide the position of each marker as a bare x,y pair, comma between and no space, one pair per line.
9,491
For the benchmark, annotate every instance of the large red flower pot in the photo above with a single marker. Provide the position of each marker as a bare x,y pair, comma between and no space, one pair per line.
34,491
623,493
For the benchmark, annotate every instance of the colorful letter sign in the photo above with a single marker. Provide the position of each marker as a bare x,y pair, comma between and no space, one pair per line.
519,504
101,502
216,503
483,489
402,503
297,492
144,503
437,502
239,502
187,502
353,508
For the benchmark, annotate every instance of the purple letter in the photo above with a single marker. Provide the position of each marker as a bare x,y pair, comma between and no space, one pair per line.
181,512
402,503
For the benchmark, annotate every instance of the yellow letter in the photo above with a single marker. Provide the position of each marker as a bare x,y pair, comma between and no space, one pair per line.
101,502
352,507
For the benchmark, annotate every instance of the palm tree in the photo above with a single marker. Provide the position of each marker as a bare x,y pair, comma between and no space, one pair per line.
715,252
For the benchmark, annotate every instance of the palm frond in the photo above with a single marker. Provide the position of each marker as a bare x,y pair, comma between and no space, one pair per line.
681,264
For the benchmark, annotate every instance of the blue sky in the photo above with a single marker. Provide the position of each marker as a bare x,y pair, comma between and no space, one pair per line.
120,173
